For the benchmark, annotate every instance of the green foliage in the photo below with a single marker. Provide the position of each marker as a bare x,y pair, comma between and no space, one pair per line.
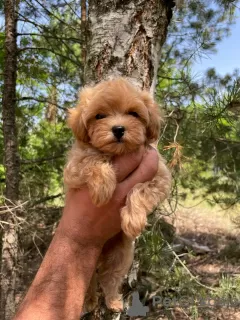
43,153
229,288
202,115
208,129
49,76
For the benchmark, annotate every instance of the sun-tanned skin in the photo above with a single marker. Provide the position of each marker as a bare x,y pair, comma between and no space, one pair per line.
110,119
59,288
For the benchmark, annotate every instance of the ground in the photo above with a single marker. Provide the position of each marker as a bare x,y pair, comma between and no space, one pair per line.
215,230
211,241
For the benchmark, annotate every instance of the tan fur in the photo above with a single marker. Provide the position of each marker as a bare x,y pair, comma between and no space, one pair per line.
89,162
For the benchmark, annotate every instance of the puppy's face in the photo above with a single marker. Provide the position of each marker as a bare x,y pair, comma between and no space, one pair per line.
115,117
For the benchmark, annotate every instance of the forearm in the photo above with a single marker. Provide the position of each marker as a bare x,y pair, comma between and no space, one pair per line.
59,287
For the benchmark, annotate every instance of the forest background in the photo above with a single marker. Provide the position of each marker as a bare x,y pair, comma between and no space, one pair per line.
200,140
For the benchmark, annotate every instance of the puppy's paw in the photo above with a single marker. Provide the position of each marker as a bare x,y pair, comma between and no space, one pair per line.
102,185
71,177
114,305
101,194
133,223
90,304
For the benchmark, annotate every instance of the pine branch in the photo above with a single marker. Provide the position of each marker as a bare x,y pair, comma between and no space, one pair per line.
52,51
68,4
53,15
46,199
35,24
49,36
41,160
41,100
223,140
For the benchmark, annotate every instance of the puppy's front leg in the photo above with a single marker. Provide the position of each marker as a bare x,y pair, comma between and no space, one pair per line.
143,199
95,171
101,181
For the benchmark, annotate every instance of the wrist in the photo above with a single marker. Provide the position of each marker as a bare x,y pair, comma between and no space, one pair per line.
80,222
79,238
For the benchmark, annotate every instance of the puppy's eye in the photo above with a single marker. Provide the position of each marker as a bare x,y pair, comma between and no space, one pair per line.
134,114
100,116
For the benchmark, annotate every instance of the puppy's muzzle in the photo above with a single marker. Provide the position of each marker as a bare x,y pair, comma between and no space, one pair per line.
118,132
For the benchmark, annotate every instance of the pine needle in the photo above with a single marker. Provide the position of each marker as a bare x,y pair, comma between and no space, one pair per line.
177,157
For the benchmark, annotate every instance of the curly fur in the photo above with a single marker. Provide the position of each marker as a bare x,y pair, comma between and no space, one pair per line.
89,162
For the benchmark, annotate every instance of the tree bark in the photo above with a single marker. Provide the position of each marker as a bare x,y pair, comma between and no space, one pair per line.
125,38
11,162
84,30
51,110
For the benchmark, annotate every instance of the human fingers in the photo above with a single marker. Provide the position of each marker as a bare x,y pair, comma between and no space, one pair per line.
144,172
125,164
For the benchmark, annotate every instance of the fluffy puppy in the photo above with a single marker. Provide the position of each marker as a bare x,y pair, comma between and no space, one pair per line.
110,119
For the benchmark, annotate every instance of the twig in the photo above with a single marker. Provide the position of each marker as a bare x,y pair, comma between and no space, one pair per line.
9,209
46,199
48,36
176,133
188,271
30,161
77,63
39,252
41,100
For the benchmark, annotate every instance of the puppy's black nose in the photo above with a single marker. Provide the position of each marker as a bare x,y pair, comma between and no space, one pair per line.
118,131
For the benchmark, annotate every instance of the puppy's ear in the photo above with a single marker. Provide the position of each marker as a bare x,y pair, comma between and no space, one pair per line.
75,122
75,119
155,119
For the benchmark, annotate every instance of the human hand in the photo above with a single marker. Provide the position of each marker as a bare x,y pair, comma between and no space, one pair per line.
71,259
86,224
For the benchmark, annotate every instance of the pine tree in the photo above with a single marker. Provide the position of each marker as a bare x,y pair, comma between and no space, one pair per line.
11,161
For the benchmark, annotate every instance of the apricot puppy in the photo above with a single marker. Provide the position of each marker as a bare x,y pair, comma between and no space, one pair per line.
110,119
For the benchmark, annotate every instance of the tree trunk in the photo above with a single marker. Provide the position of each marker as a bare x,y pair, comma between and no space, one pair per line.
51,111
125,39
83,30
10,239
